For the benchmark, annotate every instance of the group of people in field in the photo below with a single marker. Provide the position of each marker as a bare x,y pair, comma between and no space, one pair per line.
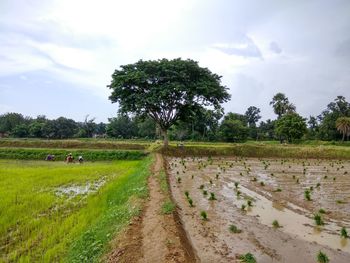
69,158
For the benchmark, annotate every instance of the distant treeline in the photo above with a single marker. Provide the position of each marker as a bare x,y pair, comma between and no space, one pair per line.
206,125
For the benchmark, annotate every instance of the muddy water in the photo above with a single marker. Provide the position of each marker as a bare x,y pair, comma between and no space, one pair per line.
72,191
297,239
293,223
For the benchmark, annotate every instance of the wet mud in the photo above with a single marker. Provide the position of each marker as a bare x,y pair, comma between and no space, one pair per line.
251,194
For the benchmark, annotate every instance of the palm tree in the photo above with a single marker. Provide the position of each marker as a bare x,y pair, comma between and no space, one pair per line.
281,105
343,126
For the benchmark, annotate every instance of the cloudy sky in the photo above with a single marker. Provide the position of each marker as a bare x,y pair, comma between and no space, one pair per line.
57,56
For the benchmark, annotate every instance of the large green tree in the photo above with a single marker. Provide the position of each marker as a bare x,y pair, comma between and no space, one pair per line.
122,126
166,90
336,109
253,116
9,121
290,126
234,128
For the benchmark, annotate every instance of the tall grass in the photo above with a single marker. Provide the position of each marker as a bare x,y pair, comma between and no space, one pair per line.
36,225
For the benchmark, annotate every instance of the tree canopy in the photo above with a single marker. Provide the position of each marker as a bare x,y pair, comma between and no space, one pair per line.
281,105
166,90
291,126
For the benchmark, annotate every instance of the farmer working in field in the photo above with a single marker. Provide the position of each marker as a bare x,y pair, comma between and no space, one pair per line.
50,157
70,158
80,159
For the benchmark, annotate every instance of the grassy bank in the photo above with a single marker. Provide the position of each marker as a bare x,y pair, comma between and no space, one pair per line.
60,154
38,223
76,144
261,151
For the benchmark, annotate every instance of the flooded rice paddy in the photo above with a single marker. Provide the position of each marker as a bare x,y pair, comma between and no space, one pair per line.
253,193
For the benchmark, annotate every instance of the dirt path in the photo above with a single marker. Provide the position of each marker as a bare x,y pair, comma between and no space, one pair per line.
153,237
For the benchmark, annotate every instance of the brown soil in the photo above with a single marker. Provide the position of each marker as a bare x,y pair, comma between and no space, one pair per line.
153,237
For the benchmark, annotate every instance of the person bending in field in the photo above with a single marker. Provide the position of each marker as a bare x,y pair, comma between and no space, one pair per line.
70,158
80,159
50,157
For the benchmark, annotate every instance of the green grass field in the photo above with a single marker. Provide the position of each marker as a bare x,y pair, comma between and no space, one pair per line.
43,220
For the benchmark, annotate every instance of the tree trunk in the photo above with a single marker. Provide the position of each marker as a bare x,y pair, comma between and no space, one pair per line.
166,139
343,136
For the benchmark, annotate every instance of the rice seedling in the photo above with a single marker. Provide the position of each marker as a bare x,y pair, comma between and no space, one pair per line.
234,229
344,233
278,190
262,183
318,220
322,211
79,221
322,257
248,258
205,192
212,197
307,195
201,186
179,180
187,194
204,215
211,181
190,201
249,203
243,206
339,202
275,224
236,184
